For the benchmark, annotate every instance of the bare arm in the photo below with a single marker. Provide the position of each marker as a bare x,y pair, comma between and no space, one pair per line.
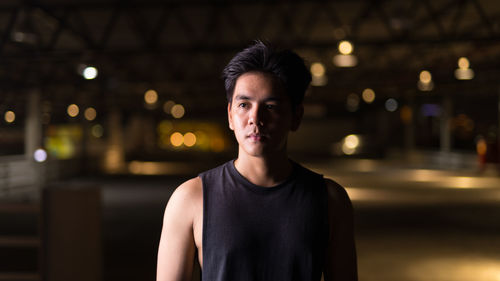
340,264
177,247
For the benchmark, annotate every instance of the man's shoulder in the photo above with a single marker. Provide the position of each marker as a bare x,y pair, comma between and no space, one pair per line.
188,193
337,194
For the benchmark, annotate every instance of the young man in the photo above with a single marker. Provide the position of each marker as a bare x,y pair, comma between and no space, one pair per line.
261,216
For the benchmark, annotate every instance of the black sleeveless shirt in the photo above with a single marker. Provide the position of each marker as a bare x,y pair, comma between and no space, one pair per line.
263,233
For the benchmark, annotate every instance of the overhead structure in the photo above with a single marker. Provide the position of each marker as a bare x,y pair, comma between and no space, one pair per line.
180,47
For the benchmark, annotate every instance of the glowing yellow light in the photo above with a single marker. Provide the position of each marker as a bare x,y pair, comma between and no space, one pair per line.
345,60
217,144
10,116
425,76
464,74
176,139
406,114
167,106
90,113
463,63
177,111
468,266
165,127
481,147
368,95
189,139
317,69
73,110
351,141
463,182
202,140
345,47
151,97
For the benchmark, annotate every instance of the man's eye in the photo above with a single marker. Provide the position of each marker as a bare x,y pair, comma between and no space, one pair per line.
270,106
242,105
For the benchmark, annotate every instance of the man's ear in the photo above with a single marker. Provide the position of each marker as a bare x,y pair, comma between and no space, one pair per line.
297,114
229,118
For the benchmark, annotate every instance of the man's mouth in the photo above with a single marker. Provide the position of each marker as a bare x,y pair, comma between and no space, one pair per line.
256,136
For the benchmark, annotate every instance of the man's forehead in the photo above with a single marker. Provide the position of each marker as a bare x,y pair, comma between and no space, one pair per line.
253,80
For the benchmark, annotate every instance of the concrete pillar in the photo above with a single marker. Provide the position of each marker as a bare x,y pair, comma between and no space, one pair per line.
33,125
33,138
114,158
445,128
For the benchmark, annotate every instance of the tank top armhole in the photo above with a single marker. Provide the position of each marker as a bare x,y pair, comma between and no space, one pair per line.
205,218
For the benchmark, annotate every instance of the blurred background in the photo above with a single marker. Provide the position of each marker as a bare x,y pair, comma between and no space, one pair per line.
107,106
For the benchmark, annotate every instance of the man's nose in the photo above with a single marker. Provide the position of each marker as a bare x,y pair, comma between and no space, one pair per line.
256,116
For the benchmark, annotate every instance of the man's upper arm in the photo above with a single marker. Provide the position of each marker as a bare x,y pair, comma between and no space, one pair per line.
340,262
177,248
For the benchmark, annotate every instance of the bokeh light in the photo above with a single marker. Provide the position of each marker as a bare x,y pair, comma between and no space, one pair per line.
463,63
73,110
345,47
317,69
97,131
9,116
167,106
189,139
425,76
391,105
350,143
368,95
90,73
177,111
90,113
151,97
345,60
40,155
176,139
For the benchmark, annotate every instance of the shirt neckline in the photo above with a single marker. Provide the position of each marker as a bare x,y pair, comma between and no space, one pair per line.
253,187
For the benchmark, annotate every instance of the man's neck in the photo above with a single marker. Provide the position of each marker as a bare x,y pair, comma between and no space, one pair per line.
264,171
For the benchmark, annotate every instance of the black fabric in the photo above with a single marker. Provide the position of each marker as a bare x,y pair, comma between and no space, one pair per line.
263,233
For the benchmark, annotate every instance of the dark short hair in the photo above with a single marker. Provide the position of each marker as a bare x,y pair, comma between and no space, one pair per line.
285,65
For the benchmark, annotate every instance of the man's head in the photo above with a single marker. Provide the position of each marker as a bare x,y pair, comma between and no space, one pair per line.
265,89
286,66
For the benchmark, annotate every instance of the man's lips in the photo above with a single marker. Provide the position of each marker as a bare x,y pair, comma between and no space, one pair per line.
256,136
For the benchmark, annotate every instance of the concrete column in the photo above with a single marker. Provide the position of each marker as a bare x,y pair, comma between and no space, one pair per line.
114,159
33,125
33,138
445,129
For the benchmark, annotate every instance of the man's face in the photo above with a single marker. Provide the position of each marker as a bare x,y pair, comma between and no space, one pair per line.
261,115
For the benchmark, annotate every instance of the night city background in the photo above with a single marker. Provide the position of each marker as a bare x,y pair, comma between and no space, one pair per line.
107,106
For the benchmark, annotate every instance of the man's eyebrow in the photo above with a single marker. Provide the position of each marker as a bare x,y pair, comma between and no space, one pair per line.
243,97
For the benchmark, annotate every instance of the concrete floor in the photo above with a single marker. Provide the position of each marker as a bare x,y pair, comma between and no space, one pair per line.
411,223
